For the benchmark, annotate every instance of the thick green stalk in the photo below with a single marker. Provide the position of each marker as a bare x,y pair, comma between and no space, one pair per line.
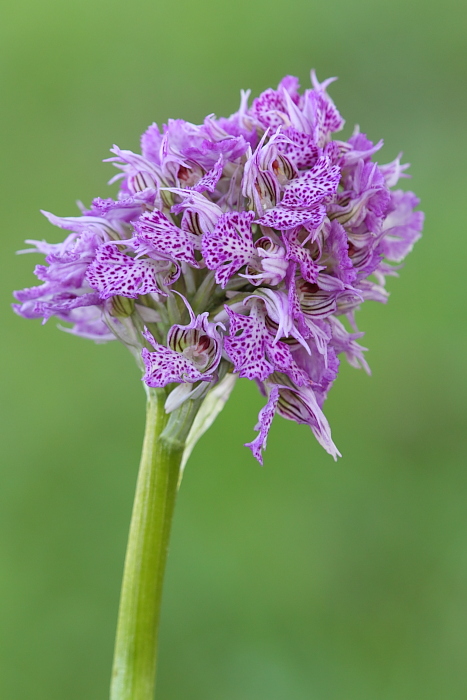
134,669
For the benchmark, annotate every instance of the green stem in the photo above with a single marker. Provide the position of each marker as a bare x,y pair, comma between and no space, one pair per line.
134,668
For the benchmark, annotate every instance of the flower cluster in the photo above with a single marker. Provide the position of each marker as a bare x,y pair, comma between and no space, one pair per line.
236,246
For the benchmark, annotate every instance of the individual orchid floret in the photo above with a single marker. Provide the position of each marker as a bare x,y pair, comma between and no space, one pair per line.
297,404
345,342
270,264
297,251
279,314
192,354
229,246
64,286
254,349
115,273
199,214
321,110
357,148
138,173
66,266
364,200
402,226
208,182
269,111
300,149
301,406
266,170
311,188
161,239
107,228
304,197
189,150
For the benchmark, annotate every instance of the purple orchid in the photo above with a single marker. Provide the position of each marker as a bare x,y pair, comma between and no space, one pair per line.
238,247
159,238
229,246
192,354
253,348
303,198
114,273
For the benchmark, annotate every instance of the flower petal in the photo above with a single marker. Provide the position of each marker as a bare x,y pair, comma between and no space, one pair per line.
230,246
313,186
208,182
113,272
265,417
283,219
161,236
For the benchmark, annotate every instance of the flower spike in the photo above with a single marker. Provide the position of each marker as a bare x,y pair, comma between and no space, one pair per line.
238,247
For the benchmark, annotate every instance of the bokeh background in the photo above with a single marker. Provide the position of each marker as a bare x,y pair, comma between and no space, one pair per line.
305,579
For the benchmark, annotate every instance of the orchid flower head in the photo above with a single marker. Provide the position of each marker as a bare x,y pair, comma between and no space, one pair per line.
239,247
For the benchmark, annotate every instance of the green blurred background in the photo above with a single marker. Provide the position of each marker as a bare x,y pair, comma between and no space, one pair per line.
305,579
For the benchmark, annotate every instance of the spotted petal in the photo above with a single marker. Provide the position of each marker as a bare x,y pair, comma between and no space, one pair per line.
253,349
313,186
164,238
230,246
300,148
283,219
269,109
208,183
113,272
246,345
166,366
264,423
192,354
300,254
